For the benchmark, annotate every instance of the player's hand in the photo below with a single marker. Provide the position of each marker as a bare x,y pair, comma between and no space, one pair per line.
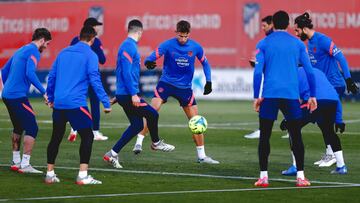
351,86
207,88
113,101
46,99
135,100
107,110
340,127
150,64
257,103
283,125
312,104
252,63
50,104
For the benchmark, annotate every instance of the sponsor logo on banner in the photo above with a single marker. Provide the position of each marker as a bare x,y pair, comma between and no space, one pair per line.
251,19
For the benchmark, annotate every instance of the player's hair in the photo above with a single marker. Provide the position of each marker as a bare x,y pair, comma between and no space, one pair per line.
267,19
40,33
135,26
304,21
87,33
281,20
183,26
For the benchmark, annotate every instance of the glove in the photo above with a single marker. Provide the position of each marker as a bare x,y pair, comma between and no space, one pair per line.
150,64
283,125
340,127
207,88
351,86
252,63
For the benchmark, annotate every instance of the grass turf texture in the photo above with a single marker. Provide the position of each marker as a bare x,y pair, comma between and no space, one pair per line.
224,141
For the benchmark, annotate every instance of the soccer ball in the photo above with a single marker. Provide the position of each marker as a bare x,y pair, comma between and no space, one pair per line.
198,124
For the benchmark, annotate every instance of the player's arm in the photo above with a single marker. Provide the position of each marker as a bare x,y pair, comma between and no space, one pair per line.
50,89
304,89
5,70
98,49
150,61
207,70
31,74
125,59
95,81
258,71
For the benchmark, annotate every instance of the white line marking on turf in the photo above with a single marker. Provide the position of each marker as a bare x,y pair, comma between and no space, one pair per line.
178,192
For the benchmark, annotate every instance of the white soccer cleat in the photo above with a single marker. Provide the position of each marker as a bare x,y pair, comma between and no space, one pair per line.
253,135
162,146
88,180
51,179
99,136
285,136
15,166
208,160
113,160
321,160
328,161
137,149
29,169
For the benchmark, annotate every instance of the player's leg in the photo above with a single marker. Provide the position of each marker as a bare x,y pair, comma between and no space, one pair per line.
95,113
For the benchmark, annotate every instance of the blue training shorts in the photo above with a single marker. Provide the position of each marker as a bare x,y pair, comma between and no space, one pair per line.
290,108
79,118
185,97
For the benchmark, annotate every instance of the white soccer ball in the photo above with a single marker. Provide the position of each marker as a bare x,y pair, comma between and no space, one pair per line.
198,124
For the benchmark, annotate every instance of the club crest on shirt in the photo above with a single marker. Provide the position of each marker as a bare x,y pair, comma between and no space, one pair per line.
314,49
160,89
190,53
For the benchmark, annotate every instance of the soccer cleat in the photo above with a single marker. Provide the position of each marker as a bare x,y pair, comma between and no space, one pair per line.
113,160
207,160
162,146
51,179
291,171
253,135
285,136
302,182
262,182
15,166
99,136
137,149
88,180
340,170
328,161
72,136
29,169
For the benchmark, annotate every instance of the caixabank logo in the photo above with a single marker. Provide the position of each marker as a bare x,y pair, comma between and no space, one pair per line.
251,19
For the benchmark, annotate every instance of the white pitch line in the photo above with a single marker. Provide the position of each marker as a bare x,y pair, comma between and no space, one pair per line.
178,192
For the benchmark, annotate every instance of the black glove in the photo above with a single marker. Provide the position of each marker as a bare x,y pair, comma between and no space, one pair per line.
340,127
252,63
150,64
283,125
207,88
351,86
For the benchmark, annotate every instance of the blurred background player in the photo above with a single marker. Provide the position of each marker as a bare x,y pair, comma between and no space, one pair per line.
17,75
94,101
280,53
324,116
176,80
127,88
327,57
73,70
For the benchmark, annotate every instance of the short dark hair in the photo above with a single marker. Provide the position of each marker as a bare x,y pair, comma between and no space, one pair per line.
40,33
304,21
267,19
281,20
87,33
183,26
135,25
91,22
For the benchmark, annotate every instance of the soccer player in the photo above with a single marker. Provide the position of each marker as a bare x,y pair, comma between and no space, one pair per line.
17,75
281,53
127,89
94,101
324,116
327,57
178,70
73,70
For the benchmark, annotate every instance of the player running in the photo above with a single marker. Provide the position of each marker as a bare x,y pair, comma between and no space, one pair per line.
327,57
127,88
17,75
178,70
281,53
94,101
73,70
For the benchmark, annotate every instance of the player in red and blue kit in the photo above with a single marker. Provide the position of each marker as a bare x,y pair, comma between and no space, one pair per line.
94,101
127,89
327,57
179,54
277,58
75,68
17,75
